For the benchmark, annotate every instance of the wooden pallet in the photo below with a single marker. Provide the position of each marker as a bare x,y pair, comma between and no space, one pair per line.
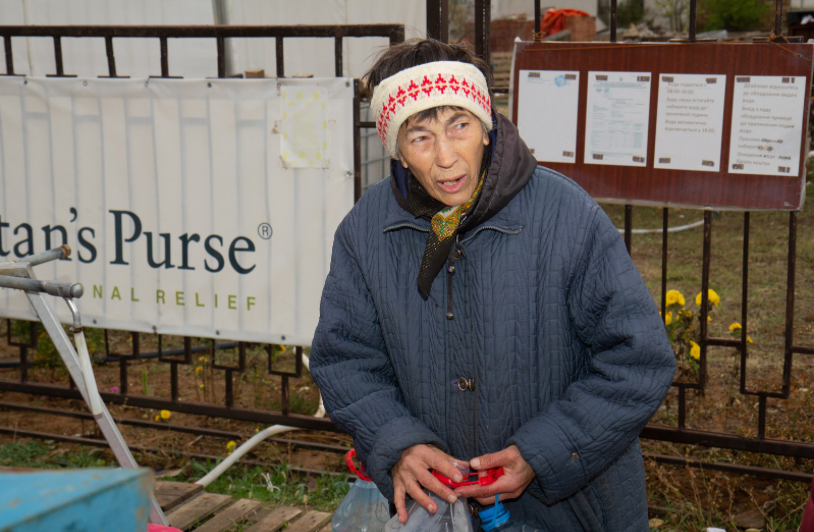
189,508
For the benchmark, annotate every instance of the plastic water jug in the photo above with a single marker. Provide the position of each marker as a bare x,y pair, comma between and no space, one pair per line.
364,508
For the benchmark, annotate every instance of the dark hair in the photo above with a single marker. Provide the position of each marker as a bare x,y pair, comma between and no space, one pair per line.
414,52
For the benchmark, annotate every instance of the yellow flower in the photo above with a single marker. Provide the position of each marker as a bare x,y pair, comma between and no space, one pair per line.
231,446
668,319
201,385
735,327
157,418
713,298
709,318
749,339
165,414
695,350
198,369
673,297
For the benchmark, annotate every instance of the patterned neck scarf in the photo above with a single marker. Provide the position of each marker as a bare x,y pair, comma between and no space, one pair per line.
445,222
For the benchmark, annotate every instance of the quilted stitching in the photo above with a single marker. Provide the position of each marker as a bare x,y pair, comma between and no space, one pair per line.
555,324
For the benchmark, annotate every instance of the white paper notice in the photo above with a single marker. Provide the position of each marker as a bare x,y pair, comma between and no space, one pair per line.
767,125
689,121
547,107
618,112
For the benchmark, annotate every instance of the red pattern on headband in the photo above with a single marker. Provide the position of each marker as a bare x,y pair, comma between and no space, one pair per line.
425,88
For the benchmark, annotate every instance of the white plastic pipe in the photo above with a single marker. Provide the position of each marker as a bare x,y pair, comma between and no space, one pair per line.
252,442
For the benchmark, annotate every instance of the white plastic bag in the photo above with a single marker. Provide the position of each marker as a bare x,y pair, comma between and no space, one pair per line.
447,517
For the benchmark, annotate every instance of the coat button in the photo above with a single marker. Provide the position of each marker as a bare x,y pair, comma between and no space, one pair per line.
458,254
451,269
575,456
450,315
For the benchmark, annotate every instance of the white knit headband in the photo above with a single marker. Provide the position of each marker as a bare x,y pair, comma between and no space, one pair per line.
422,87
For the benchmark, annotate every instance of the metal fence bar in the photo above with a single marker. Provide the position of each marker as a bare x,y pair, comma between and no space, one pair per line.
111,59
612,20
483,13
742,347
693,16
9,55
58,55
438,20
790,282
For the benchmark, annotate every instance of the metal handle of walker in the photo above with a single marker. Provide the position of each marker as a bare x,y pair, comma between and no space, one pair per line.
18,275
67,291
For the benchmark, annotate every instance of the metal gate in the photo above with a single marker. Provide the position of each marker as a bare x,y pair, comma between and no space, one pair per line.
184,356
437,26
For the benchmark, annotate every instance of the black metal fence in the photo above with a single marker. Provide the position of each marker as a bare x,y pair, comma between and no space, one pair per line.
438,27
184,356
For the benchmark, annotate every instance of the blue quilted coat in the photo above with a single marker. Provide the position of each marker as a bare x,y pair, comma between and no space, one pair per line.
543,314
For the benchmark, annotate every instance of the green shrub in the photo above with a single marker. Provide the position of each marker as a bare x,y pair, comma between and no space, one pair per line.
629,12
732,15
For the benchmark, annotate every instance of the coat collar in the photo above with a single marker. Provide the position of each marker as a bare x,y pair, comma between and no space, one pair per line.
508,220
510,169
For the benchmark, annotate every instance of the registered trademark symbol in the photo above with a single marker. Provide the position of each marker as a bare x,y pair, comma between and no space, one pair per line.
264,230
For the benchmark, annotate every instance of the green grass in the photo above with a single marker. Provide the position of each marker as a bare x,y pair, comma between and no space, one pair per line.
275,485
47,455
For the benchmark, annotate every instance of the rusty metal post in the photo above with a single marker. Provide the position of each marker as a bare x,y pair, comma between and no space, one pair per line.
693,15
58,55
111,59
438,20
285,391
613,21
483,20
230,397
789,339
538,17
778,17
9,56
221,56
23,363
278,43
744,302
702,372
338,69
165,64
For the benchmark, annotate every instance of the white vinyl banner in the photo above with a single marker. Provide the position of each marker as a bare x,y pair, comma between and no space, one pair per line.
193,207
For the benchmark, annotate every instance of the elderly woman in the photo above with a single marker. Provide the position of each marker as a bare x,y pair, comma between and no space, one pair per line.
482,308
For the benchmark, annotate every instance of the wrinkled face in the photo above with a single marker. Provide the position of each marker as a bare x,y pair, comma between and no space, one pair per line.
444,154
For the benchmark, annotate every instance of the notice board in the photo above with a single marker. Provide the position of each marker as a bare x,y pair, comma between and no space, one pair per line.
709,125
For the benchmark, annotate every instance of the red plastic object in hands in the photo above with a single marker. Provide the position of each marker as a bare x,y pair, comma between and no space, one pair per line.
361,471
490,476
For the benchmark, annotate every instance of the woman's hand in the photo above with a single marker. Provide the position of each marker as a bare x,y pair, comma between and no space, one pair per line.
517,475
413,471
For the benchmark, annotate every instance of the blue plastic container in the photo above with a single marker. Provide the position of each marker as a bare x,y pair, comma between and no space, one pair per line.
90,500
